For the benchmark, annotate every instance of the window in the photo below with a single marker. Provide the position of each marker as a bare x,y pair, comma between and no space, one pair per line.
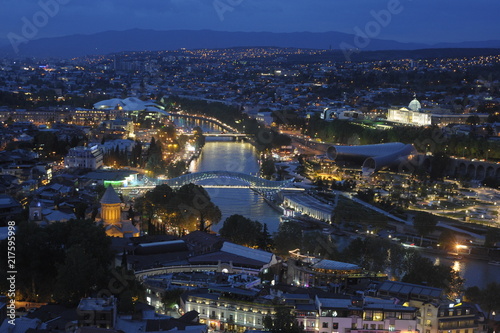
392,328
354,326
368,315
325,324
407,316
380,326
311,324
378,316
390,314
373,326
335,326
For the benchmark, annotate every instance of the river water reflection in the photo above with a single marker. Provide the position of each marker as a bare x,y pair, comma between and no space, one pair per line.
237,157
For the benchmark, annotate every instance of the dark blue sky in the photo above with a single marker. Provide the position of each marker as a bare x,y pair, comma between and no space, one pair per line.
425,21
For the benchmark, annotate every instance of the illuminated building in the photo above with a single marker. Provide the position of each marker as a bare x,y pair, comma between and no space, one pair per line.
309,271
111,216
435,315
361,315
84,158
228,308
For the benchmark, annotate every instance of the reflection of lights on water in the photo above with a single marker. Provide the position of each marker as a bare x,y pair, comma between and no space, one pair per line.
457,266
437,262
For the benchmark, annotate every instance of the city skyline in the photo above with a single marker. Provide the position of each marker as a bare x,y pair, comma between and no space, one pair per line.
404,21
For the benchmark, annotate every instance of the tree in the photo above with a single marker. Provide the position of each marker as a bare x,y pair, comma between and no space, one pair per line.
424,223
487,298
420,270
439,164
241,230
267,168
171,298
182,209
282,322
317,243
288,237
265,241
447,239
76,277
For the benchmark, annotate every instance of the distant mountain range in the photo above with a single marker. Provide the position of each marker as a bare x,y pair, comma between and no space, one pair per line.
151,40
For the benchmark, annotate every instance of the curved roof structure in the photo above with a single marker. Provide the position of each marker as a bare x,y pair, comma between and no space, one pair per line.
129,104
362,152
375,157
333,265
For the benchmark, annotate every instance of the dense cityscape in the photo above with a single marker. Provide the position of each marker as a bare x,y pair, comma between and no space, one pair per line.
251,189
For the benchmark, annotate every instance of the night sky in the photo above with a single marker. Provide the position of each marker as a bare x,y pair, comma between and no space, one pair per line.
427,21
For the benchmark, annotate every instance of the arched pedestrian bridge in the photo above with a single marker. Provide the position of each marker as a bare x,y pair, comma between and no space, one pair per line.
222,178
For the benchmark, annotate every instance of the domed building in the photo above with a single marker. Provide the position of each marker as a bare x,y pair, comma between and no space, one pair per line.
411,115
415,105
111,216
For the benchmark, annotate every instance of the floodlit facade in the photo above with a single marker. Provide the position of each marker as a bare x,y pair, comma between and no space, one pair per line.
231,309
356,315
84,158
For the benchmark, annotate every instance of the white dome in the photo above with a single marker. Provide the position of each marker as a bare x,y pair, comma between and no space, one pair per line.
414,105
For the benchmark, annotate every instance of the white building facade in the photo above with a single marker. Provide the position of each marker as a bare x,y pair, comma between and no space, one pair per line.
84,158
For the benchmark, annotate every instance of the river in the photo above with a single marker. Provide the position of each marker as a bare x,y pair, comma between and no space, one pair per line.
242,157
237,157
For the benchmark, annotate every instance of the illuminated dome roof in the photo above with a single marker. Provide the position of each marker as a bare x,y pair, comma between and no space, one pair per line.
415,105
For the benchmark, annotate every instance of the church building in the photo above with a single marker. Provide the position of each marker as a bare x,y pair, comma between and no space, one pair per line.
111,216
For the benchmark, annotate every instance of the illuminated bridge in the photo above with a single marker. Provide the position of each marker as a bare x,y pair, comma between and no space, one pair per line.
221,179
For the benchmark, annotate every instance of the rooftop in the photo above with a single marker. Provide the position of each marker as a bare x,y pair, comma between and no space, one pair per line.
110,196
408,290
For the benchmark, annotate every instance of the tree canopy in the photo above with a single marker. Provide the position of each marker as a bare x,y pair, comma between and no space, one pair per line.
241,230
178,211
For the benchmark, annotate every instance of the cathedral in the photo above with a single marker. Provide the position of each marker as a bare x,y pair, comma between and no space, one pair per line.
111,216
